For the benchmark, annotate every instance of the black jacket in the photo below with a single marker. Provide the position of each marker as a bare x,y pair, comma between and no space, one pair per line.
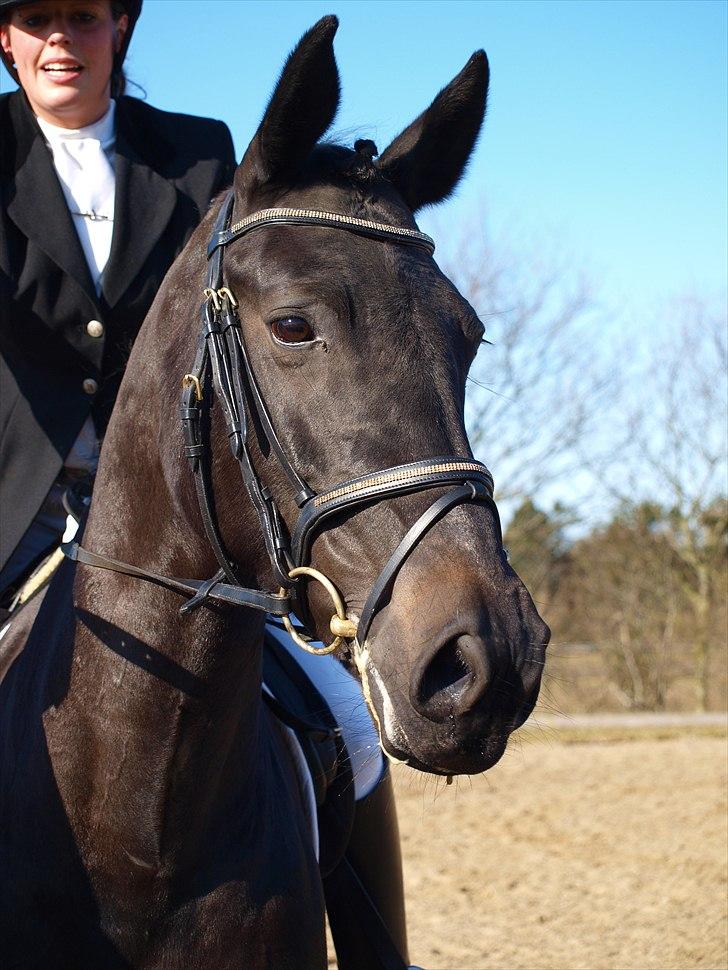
168,168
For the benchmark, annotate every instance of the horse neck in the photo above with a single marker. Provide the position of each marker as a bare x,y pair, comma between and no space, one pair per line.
191,682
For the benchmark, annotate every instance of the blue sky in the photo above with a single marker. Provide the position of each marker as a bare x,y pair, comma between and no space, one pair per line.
606,129
607,125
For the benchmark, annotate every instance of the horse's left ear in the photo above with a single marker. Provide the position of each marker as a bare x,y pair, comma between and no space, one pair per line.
300,111
425,162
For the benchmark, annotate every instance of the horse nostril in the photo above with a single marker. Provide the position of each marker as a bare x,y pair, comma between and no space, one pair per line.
452,681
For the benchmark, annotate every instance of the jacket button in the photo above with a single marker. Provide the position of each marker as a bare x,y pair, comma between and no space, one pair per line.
95,328
90,386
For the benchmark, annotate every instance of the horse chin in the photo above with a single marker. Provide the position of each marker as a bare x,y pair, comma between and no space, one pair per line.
472,758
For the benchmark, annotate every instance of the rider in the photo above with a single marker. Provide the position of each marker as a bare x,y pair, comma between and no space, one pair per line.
100,192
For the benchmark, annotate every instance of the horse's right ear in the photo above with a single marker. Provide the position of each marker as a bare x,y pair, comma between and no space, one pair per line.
300,111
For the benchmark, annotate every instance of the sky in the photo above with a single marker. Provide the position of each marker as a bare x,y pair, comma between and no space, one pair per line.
606,128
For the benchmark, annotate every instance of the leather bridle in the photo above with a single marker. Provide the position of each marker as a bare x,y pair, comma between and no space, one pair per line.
222,369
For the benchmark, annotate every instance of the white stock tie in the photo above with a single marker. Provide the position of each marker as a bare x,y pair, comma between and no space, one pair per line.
88,183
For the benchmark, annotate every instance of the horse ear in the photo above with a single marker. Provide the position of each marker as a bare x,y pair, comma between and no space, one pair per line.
301,109
426,160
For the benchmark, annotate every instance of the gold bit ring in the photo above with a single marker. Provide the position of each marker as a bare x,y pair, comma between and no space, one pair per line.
340,625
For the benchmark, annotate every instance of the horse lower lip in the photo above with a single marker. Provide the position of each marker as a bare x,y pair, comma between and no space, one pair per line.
466,752
461,767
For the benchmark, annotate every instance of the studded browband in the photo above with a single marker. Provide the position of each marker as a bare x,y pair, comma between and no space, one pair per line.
313,217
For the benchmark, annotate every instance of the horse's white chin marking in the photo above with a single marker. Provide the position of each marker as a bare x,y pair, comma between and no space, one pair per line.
392,730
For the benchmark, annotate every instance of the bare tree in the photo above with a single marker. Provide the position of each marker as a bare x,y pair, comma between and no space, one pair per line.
540,393
619,592
649,588
676,451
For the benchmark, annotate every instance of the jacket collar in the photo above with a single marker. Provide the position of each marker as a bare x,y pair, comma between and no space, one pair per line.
36,190
144,205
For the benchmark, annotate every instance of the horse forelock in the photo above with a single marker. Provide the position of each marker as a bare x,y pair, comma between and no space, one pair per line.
364,188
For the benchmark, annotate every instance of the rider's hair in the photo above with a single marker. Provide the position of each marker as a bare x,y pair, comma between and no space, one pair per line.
118,78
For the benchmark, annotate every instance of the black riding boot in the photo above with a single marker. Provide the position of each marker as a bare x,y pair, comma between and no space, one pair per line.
364,893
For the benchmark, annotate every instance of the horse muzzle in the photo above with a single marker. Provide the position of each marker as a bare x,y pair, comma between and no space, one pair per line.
450,679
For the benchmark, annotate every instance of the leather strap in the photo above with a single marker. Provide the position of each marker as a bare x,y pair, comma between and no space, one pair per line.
236,388
274,603
303,492
313,217
470,492
200,460
192,415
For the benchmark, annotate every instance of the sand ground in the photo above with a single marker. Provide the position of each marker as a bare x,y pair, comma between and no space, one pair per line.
576,851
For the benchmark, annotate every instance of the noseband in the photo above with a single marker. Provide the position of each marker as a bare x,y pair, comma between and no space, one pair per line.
222,369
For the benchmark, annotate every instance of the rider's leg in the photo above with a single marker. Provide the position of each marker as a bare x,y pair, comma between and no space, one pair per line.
366,889
39,539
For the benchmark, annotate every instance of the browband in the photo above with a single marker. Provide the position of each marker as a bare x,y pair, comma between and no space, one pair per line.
312,217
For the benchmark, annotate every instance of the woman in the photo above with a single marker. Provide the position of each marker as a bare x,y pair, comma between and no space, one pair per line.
99,192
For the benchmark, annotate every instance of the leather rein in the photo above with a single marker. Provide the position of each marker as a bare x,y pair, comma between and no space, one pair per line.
222,370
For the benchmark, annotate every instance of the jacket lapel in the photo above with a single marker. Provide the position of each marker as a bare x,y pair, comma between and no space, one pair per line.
144,205
36,189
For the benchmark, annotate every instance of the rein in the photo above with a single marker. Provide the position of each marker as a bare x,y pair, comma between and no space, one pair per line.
222,369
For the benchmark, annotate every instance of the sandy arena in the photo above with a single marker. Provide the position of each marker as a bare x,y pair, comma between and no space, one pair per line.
576,851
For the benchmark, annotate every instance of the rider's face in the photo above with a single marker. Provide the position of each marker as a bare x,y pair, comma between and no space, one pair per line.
63,52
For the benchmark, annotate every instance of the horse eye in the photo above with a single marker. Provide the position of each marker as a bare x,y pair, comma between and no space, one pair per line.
292,330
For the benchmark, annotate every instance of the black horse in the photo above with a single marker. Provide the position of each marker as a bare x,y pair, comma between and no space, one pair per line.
149,809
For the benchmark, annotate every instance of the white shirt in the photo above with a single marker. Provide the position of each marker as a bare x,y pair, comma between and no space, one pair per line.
84,161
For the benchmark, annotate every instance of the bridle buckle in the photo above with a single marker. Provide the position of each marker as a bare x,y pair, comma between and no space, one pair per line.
192,380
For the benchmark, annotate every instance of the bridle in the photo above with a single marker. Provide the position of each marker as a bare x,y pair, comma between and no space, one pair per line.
222,370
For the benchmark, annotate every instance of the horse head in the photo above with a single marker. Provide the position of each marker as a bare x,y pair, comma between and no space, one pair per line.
361,347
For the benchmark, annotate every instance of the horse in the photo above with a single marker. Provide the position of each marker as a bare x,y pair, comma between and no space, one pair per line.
150,813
